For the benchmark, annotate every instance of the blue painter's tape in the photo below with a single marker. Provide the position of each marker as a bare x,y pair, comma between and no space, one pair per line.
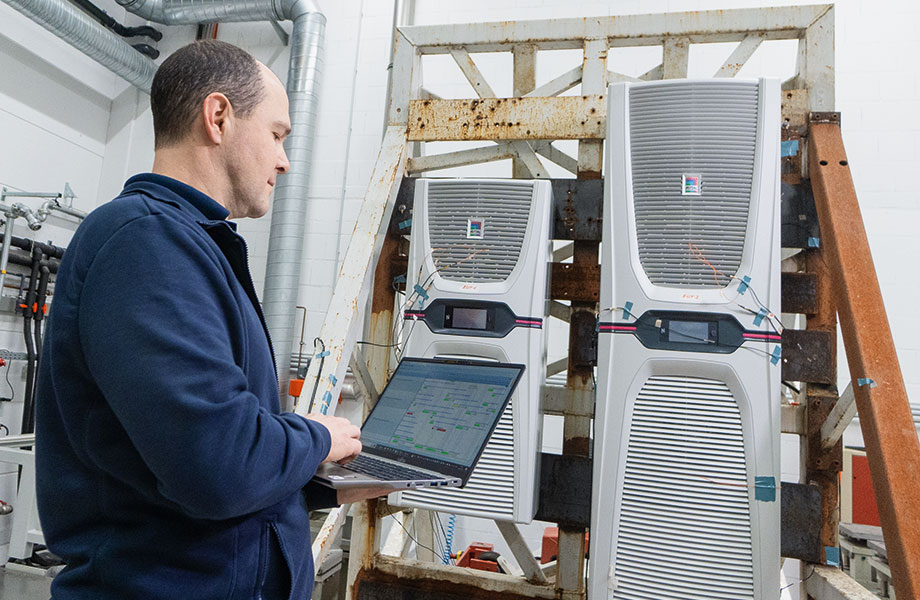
866,381
789,148
765,489
327,400
760,317
814,242
777,354
323,354
832,555
399,279
332,379
405,224
745,282
627,310
420,291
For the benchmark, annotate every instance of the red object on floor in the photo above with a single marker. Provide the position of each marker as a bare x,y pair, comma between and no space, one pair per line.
470,557
550,546
865,509
295,386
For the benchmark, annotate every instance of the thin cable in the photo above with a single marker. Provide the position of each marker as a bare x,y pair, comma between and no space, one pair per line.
789,585
411,537
12,390
322,359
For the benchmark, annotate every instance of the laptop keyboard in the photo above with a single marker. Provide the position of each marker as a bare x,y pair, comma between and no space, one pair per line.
383,470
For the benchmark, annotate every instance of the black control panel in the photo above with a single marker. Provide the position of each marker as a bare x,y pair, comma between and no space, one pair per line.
478,318
686,331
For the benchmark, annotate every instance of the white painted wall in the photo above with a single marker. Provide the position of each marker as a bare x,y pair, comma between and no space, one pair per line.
64,118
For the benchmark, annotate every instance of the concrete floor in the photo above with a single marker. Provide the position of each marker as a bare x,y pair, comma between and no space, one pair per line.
16,585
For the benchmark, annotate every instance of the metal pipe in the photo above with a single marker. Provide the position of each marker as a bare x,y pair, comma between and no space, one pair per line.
5,253
86,35
289,210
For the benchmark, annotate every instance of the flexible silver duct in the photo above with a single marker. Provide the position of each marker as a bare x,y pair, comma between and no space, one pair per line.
189,12
86,35
289,210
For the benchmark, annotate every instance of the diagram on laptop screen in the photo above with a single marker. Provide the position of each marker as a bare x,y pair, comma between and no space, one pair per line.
447,419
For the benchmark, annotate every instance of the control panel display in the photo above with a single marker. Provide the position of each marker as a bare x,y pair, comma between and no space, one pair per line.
467,318
690,332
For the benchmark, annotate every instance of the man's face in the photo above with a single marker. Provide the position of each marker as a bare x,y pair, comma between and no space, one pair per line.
256,151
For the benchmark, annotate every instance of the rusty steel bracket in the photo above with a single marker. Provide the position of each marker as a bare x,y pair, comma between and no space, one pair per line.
799,227
808,356
799,293
565,490
800,522
892,446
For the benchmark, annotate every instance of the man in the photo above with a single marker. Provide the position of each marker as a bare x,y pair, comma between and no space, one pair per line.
165,469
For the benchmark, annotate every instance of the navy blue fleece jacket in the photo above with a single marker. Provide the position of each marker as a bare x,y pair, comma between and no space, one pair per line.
165,469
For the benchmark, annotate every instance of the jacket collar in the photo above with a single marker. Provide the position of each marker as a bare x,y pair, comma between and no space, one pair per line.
202,207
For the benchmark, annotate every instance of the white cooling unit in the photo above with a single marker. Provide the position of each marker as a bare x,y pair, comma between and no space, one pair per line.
686,451
478,276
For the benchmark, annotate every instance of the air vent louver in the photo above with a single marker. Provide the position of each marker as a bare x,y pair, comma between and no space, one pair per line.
505,208
685,523
697,128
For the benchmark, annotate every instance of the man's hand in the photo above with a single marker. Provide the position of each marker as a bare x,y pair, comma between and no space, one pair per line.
346,442
351,495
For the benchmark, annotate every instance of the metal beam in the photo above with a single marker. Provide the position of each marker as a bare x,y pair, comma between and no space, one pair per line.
560,84
424,581
787,22
406,62
740,55
398,540
461,158
342,324
676,58
325,537
839,418
525,78
556,118
792,418
363,379
527,163
557,156
472,73
830,583
558,400
891,441
556,367
561,311
521,552
817,72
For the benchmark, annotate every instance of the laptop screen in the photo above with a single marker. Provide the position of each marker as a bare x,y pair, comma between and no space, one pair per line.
440,410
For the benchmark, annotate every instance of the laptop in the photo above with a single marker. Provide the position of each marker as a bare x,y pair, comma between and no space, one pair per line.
429,426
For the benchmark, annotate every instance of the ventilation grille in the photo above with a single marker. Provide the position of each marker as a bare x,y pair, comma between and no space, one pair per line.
490,490
707,129
504,208
685,525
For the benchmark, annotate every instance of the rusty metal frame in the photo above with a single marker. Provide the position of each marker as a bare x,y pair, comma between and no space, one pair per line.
524,134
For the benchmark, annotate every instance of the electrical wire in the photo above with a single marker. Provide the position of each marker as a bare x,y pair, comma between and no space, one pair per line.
12,390
319,372
770,316
789,585
411,537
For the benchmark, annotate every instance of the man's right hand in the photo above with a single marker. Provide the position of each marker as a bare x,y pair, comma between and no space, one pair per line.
346,436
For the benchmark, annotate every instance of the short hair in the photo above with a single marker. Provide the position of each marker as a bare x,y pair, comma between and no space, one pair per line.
193,72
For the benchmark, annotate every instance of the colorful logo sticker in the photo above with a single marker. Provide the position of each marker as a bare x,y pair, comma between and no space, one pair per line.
692,185
475,229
